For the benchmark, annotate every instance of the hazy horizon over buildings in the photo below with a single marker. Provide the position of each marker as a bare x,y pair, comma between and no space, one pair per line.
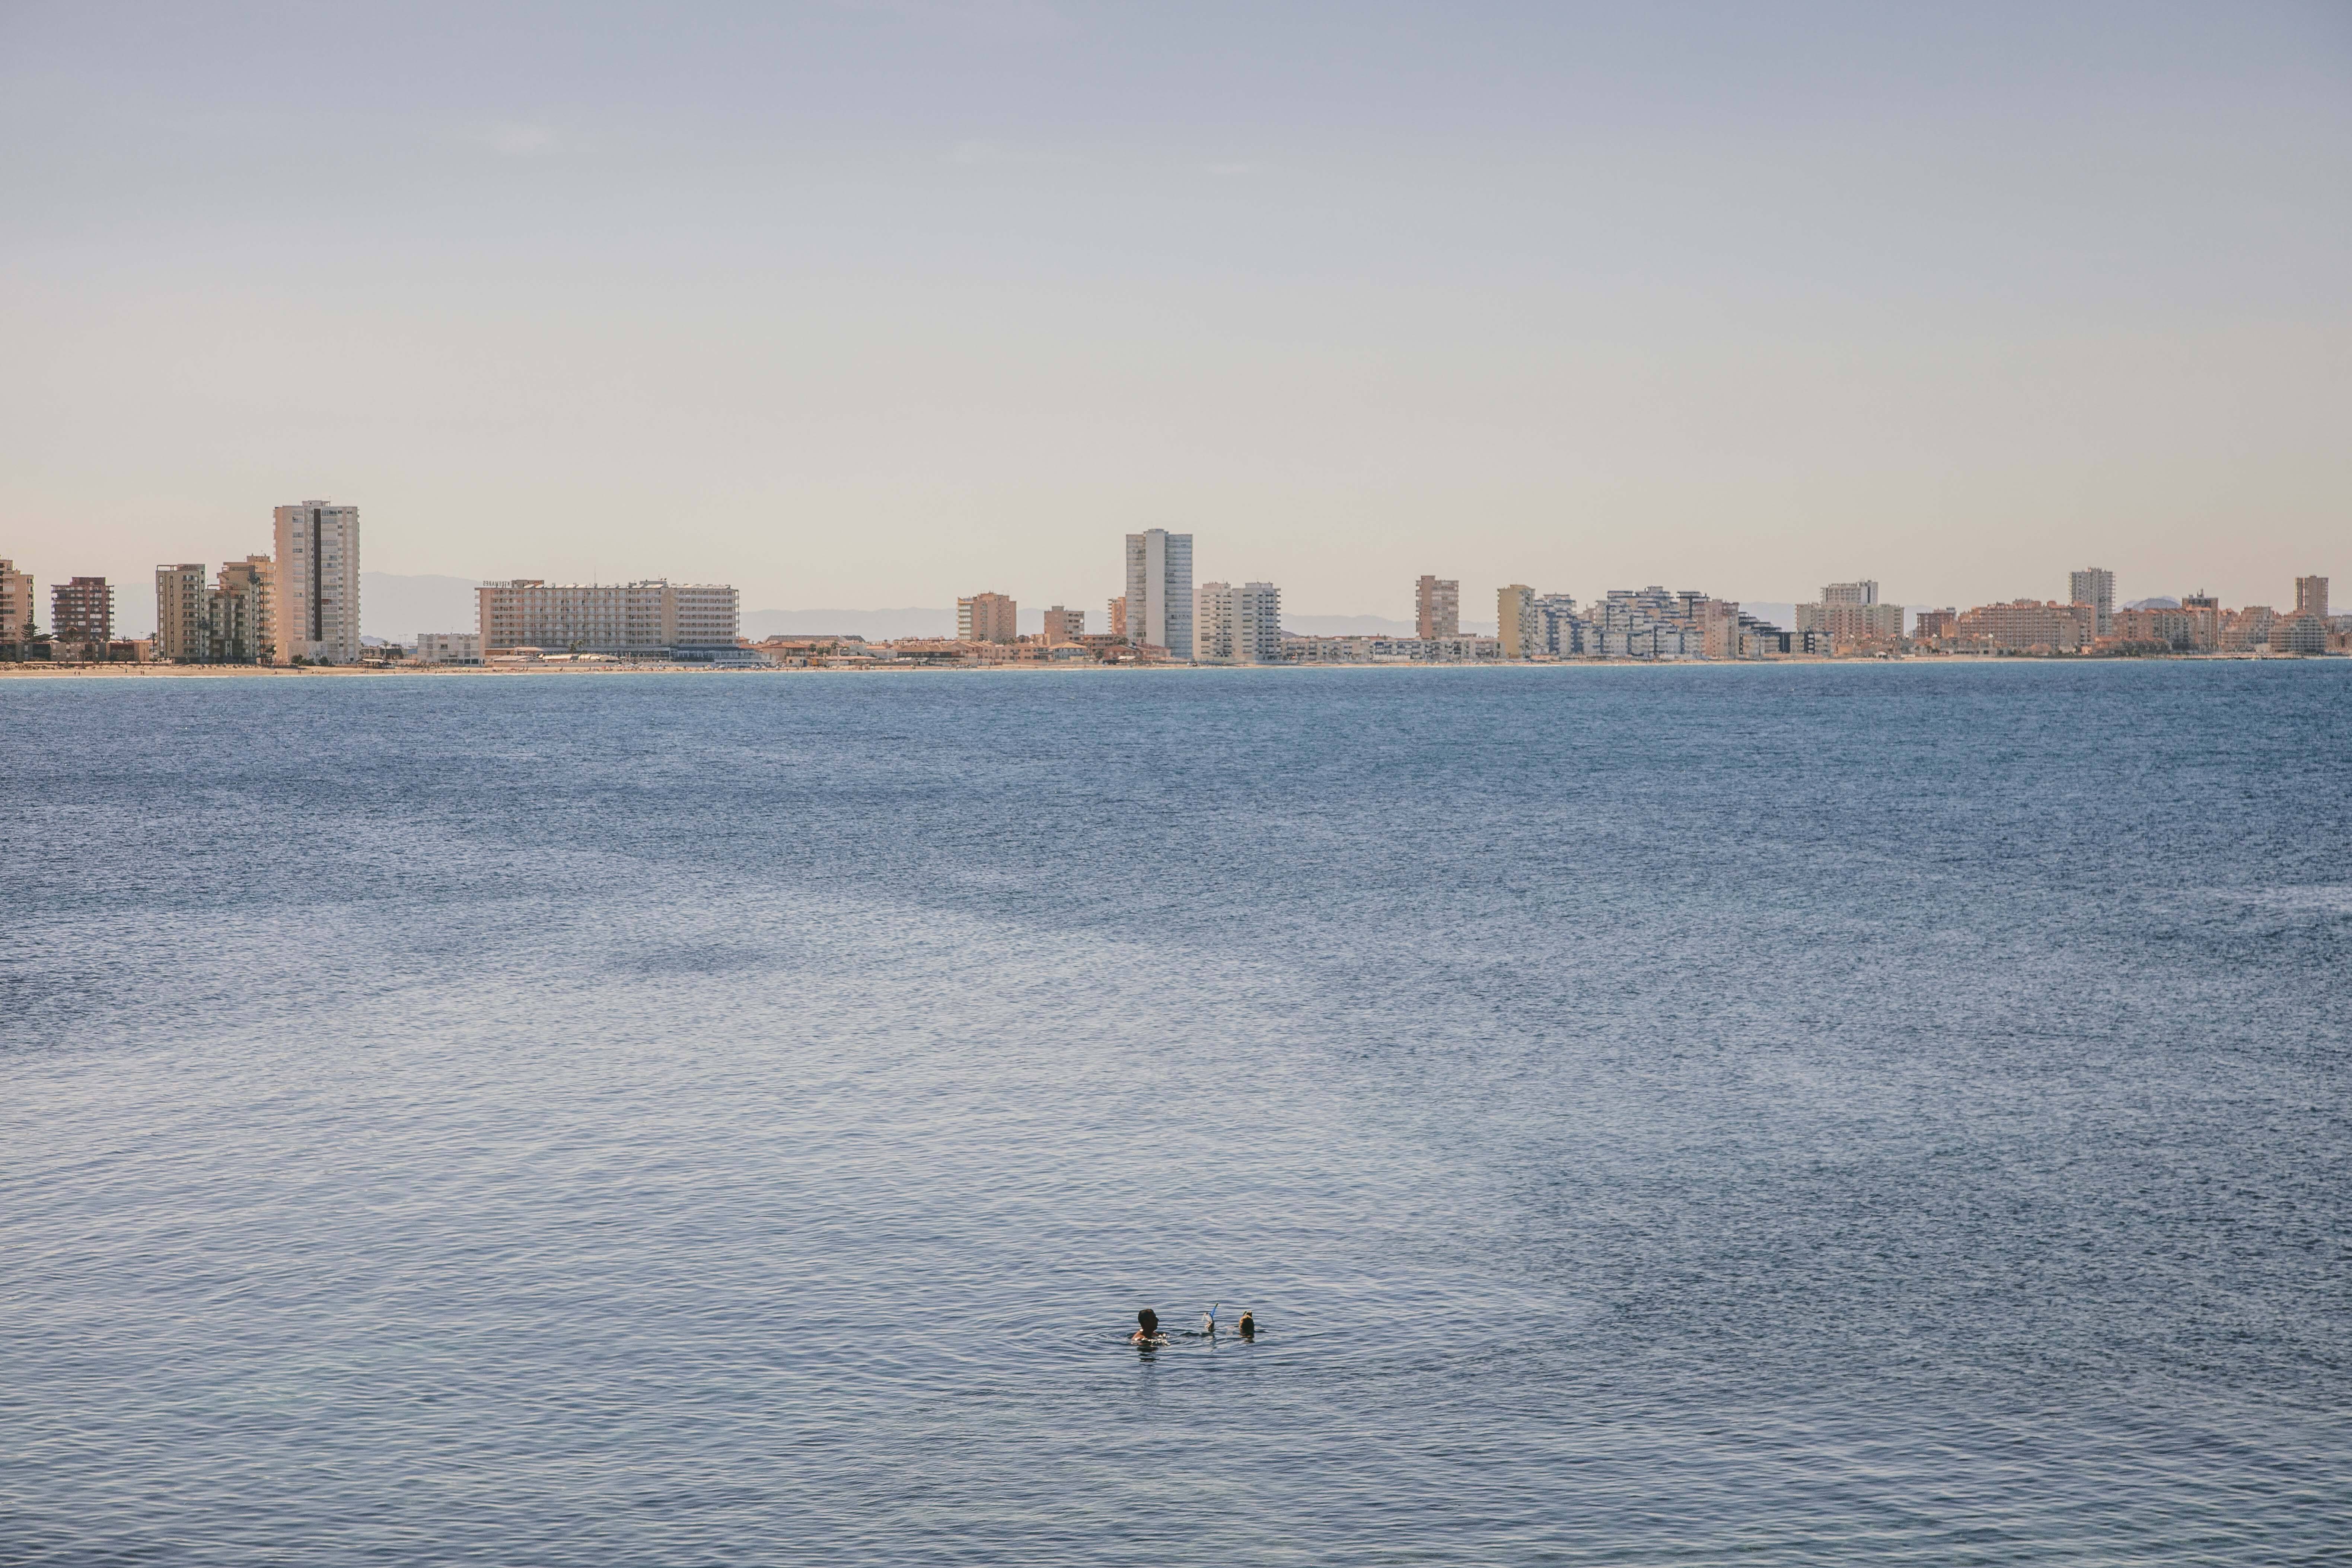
1932,294
301,605
397,608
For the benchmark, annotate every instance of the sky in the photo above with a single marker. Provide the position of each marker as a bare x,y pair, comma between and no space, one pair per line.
880,304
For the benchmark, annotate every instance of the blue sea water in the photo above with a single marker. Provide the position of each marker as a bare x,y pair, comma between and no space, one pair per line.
1872,1114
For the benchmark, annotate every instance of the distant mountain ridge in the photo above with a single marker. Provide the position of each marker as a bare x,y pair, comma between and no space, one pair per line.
1370,626
876,626
397,608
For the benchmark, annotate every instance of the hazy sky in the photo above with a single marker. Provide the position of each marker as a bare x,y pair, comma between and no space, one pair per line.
866,305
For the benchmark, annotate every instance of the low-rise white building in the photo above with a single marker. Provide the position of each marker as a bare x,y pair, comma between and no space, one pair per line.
448,648
1389,650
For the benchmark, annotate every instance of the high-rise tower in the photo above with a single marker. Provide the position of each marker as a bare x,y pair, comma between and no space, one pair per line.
317,587
182,613
1514,618
1159,590
1437,607
2095,586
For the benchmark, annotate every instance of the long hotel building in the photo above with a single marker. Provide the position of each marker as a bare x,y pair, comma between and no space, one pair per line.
645,619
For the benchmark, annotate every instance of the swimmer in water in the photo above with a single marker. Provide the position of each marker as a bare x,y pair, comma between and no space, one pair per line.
1147,1329
1248,1326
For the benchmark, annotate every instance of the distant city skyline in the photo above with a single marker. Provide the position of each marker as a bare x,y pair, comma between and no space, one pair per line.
872,306
136,610
301,605
400,607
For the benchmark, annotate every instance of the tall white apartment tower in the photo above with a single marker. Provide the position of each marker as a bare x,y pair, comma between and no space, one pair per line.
2095,586
318,610
1237,625
1212,624
1257,623
1159,590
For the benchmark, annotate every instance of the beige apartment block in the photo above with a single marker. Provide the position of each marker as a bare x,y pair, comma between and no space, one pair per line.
182,613
2299,634
1212,623
16,604
241,613
1515,620
317,613
645,619
2026,626
1850,626
1257,623
1851,616
2248,627
1116,621
1237,625
703,615
2174,629
1063,626
987,617
2305,629
1719,629
2206,610
1437,608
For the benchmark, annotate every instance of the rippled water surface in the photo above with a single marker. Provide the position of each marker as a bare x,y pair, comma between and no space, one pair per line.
1825,1114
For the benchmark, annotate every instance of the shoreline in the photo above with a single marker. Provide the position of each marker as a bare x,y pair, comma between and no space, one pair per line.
45,671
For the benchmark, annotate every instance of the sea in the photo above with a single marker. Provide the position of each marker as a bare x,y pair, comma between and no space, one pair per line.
1888,1113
